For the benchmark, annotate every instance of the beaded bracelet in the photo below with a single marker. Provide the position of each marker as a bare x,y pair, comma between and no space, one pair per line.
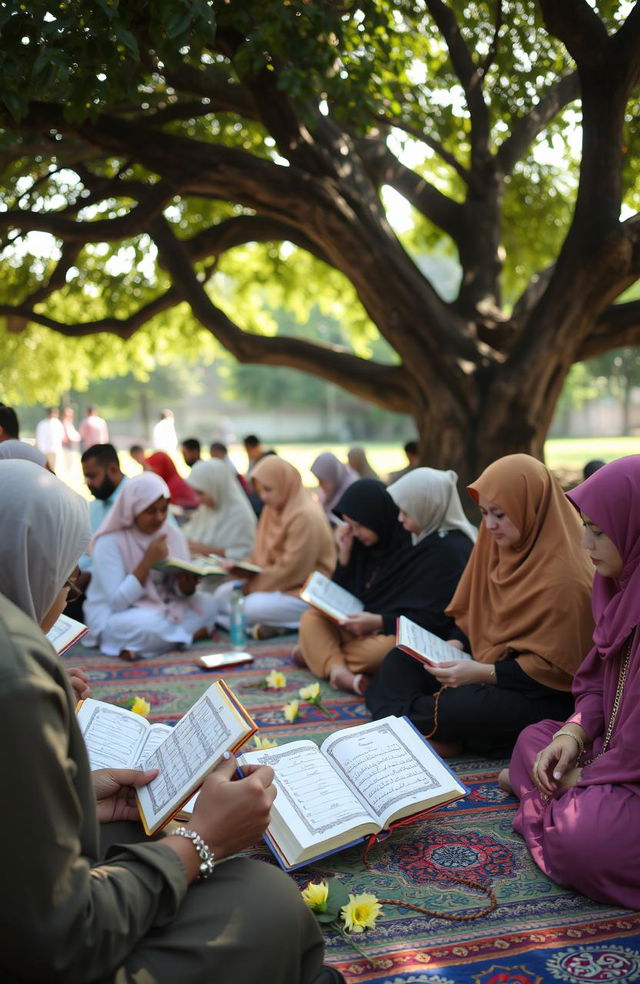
571,734
206,855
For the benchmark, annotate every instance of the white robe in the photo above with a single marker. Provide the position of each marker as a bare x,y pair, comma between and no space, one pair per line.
116,623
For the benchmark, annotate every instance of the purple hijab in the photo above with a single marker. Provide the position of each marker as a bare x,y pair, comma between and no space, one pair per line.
611,500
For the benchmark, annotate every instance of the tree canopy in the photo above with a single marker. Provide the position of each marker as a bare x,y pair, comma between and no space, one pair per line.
206,162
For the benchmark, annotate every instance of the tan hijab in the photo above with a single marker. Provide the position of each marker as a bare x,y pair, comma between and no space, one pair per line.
533,597
274,523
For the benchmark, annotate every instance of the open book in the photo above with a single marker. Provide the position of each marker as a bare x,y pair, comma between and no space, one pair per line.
201,566
330,598
241,565
424,645
117,738
64,632
358,782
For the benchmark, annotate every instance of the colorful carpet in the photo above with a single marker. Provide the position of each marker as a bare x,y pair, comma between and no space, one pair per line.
538,934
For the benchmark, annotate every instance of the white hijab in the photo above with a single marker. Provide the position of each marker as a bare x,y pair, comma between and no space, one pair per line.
231,525
431,498
44,527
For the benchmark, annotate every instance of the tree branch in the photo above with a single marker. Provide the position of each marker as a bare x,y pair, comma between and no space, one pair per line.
433,204
470,77
526,128
100,230
617,326
122,327
430,142
244,229
384,385
576,24
225,96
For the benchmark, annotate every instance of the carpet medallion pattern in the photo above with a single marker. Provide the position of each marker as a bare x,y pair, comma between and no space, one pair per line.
538,934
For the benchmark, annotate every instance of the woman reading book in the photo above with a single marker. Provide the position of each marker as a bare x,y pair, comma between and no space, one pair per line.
133,610
224,523
143,915
523,606
401,552
578,779
293,539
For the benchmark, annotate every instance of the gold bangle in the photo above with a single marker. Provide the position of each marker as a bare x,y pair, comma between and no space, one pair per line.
571,734
493,676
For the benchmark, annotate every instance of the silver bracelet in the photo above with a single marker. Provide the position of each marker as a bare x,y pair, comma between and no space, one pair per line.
206,855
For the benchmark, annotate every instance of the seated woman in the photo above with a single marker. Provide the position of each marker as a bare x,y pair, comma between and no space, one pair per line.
579,779
334,478
180,491
67,915
522,604
378,564
358,461
224,522
131,609
293,539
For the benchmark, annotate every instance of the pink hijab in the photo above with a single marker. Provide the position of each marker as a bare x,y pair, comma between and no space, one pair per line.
137,494
611,500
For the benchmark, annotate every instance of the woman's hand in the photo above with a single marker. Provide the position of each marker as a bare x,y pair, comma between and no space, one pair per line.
461,671
157,550
362,623
555,765
80,682
115,792
344,542
187,582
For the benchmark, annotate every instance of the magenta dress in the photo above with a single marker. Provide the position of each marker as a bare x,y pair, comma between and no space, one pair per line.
588,837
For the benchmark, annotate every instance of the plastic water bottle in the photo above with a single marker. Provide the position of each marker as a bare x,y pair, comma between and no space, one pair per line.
237,619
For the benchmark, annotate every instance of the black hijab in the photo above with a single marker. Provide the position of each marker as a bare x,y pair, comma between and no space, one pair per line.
370,571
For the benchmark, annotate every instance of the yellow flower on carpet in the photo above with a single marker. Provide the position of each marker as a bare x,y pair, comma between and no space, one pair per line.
310,693
360,912
291,711
141,706
261,743
276,680
315,895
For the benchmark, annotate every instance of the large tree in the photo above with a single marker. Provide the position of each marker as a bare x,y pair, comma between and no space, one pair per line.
153,141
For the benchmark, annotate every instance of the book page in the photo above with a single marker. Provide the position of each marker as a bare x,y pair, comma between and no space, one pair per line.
155,736
321,592
390,767
193,747
113,735
64,632
312,799
425,645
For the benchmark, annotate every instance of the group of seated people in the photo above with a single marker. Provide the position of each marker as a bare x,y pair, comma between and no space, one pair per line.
551,682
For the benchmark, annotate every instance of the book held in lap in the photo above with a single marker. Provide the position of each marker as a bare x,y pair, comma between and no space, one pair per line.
424,645
330,598
117,738
359,782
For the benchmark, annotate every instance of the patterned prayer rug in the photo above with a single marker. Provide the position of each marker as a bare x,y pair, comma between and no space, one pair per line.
538,934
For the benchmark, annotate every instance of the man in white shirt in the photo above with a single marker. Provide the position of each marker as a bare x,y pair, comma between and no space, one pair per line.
49,436
164,433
